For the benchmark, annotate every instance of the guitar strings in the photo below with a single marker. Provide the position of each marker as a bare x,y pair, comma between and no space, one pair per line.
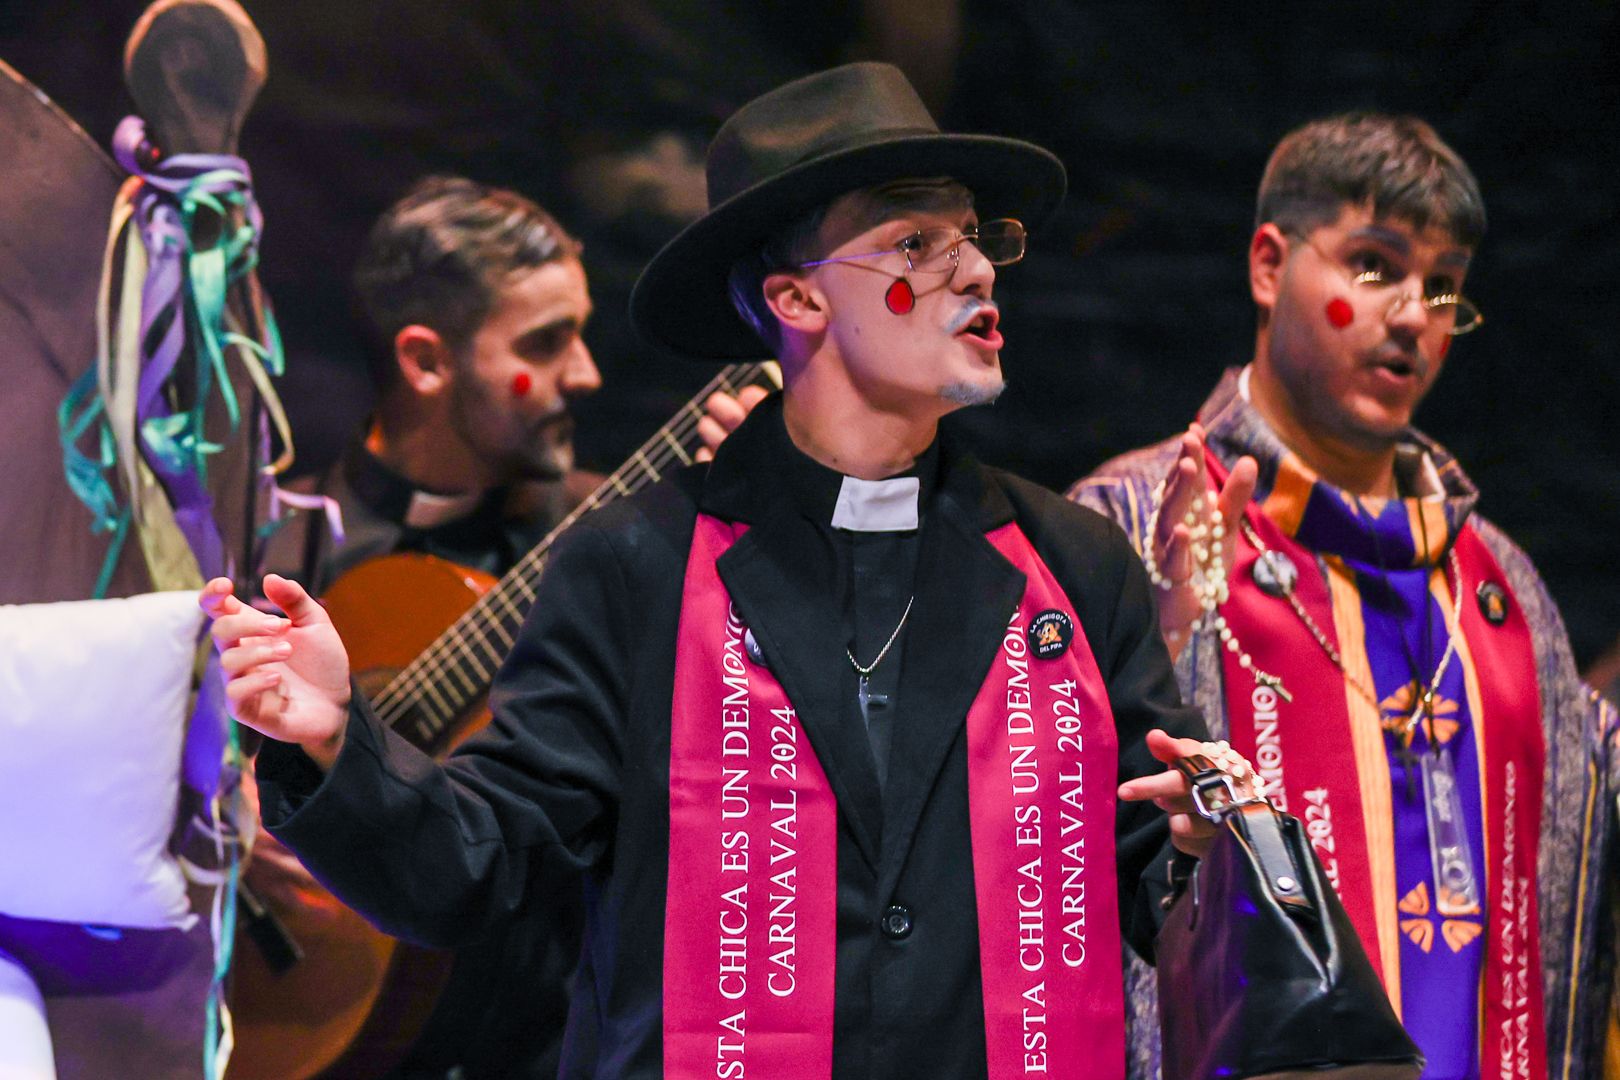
440,657
402,692
667,444
415,687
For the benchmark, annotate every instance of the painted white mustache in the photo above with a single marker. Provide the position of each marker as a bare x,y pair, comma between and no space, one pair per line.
968,312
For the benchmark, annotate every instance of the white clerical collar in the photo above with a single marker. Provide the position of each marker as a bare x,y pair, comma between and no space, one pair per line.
428,510
877,505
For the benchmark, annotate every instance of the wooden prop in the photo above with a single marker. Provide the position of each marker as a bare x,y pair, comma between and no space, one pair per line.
56,187
194,68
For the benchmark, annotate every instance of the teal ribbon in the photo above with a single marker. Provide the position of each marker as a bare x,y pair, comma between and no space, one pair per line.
193,283
80,412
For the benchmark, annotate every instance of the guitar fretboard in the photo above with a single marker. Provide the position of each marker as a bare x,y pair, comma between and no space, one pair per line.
455,671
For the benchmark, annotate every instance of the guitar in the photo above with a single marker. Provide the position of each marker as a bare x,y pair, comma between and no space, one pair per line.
317,991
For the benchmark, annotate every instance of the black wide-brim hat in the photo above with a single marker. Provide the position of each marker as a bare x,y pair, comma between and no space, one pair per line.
796,149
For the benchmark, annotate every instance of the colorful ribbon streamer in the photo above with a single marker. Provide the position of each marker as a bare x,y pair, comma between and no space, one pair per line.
199,227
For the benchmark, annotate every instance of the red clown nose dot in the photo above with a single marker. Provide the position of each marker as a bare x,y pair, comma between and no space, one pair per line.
900,298
521,384
1340,313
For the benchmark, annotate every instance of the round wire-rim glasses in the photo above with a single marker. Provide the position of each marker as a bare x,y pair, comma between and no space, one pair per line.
1464,314
938,250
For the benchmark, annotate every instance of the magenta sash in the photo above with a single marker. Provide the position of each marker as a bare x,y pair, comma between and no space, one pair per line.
1305,752
1514,1027
1303,748
1043,761
750,921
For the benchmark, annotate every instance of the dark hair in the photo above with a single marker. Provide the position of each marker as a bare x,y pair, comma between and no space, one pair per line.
440,256
798,242
1395,165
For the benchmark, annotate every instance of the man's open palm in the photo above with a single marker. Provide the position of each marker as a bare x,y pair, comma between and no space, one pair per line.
286,677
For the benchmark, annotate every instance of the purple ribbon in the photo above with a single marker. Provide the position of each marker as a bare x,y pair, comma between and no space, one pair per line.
170,190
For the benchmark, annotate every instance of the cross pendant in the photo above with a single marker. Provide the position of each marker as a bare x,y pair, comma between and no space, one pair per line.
1408,763
1265,678
869,699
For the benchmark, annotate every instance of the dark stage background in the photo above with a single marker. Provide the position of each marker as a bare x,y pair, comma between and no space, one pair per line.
1131,302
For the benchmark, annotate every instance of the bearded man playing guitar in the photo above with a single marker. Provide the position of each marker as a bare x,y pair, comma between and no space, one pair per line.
476,300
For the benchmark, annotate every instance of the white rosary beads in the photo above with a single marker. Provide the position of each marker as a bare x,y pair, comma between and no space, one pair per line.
1235,765
1208,577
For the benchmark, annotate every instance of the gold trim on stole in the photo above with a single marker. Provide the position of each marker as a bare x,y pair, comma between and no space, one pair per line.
1290,493
1426,518
1440,590
1372,769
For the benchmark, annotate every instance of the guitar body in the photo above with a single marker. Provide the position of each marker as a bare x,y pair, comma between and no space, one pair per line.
388,611
353,1005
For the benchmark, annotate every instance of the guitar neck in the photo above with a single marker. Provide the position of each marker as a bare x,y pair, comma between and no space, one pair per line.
454,672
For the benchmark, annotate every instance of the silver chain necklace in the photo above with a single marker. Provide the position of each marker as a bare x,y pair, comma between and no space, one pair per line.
1333,653
865,672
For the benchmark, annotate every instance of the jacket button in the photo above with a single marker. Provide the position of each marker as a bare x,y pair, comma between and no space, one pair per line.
896,922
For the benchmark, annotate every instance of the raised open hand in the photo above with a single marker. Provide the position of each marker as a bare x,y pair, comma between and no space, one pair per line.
1194,537
286,677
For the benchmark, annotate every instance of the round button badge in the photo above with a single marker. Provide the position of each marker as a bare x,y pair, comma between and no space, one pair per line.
1050,633
751,647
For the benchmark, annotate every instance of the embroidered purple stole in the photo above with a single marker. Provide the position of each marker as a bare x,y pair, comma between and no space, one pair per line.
1320,751
750,922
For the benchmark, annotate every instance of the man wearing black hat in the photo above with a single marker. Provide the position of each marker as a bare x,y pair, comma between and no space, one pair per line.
833,728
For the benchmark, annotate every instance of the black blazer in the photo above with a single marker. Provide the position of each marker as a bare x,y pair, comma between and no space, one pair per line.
571,777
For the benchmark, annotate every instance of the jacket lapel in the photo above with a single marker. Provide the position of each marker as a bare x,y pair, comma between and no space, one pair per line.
965,593
777,574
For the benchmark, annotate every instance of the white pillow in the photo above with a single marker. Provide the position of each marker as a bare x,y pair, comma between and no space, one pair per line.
93,712
25,1037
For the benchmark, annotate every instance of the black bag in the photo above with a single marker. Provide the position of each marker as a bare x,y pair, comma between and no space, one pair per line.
1261,973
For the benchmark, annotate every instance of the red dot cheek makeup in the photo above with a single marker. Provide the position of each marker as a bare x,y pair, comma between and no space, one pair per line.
1339,313
899,297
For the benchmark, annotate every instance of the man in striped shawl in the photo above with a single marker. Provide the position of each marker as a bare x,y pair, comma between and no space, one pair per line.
1388,658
